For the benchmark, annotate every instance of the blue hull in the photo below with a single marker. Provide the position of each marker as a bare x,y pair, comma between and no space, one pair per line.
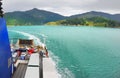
5,52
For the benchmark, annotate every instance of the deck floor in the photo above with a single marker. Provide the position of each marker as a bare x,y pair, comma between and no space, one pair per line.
49,69
20,71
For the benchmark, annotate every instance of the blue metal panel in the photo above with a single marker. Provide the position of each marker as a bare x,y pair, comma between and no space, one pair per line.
5,53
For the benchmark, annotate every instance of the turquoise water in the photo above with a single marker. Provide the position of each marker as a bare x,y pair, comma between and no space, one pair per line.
79,52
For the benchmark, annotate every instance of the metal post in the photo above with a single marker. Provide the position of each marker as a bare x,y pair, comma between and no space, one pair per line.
1,12
41,66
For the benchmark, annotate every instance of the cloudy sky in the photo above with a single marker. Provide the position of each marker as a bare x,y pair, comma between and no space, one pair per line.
64,7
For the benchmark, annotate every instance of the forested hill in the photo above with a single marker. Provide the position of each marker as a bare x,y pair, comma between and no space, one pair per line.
41,17
115,17
87,21
31,17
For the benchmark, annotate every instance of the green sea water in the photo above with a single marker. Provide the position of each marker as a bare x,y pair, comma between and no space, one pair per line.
79,52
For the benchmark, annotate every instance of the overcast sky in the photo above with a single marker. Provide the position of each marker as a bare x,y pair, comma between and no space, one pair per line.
63,7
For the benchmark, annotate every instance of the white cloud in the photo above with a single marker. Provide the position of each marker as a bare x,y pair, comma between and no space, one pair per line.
65,7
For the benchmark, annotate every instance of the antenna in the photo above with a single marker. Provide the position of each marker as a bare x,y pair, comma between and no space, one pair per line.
1,12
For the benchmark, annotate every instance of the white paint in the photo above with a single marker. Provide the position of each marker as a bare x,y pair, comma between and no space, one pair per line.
49,69
34,59
32,72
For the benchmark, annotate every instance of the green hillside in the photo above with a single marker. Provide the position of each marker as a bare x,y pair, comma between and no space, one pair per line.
42,17
115,17
90,21
31,17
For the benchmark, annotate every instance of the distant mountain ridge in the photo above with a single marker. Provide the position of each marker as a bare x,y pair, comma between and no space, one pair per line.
40,17
31,17
115,17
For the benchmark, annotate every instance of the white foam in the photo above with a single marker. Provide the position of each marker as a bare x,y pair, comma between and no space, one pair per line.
30,36
67,73
63,72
